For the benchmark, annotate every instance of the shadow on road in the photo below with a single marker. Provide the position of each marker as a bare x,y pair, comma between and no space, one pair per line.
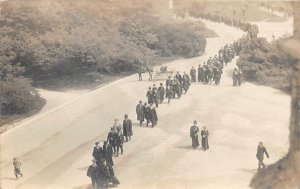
188,148
8,178
252,171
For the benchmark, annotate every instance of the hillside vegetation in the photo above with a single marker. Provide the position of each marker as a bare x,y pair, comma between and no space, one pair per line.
65,43
266,64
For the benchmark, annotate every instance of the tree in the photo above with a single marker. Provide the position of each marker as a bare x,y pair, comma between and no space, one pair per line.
286,172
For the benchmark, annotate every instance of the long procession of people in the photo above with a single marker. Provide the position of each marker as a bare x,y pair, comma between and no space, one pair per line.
208,73
101,170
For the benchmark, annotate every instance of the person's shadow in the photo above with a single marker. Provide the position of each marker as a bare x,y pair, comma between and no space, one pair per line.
9,178
84,187
189,148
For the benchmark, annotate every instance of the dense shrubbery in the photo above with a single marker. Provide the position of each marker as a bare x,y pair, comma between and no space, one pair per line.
45,40
266,64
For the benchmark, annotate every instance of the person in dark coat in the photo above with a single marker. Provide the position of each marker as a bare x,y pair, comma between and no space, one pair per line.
235,77
179,77
193,74
147,114
161,91
111,139
93,173
127,128
186,82
154,117
156,97
199,73
120,141
108,152
169,82
204,135
107,174
140,113
194,134
97,152
149,96
261,150
240,77
140,76
169,93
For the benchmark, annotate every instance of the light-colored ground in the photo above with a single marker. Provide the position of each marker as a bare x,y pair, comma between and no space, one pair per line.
55,146
275,30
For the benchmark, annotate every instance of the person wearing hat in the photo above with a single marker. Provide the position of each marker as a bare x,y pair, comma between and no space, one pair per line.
93,173
204,134
193,74
107,152
154,118
97,152
117,125
127,128
140,112
111,139
17,165
169,93
199,73
120,141
107,174
149,96
261,150
161,91
156,96
194,135
179,77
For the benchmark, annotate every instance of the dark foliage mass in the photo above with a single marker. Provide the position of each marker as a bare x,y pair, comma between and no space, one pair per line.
265,63
51,40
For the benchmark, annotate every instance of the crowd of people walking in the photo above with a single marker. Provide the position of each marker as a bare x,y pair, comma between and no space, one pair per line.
101,171
210,72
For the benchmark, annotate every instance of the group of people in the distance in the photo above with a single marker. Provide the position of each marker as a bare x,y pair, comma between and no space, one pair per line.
101,171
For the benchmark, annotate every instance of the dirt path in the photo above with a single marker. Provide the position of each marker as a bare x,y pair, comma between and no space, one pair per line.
55,147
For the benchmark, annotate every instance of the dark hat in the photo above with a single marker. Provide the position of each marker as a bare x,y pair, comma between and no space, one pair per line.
126,116
96,143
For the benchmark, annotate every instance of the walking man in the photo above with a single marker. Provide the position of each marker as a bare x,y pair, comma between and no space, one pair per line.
17,165
193,74
127,128
97,152
120,141
261,150
140,76
194,134
93,173
149,96
140,113
154,118
111,139
161,91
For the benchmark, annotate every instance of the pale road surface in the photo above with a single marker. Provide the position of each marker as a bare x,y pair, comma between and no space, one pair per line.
55,146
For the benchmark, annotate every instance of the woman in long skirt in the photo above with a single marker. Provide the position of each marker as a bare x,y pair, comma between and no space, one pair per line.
194,134
204,135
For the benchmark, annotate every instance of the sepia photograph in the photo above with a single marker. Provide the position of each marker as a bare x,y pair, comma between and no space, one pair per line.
149,94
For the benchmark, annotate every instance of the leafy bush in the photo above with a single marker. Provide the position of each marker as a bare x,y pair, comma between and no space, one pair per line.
49,41
266,64
18,97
